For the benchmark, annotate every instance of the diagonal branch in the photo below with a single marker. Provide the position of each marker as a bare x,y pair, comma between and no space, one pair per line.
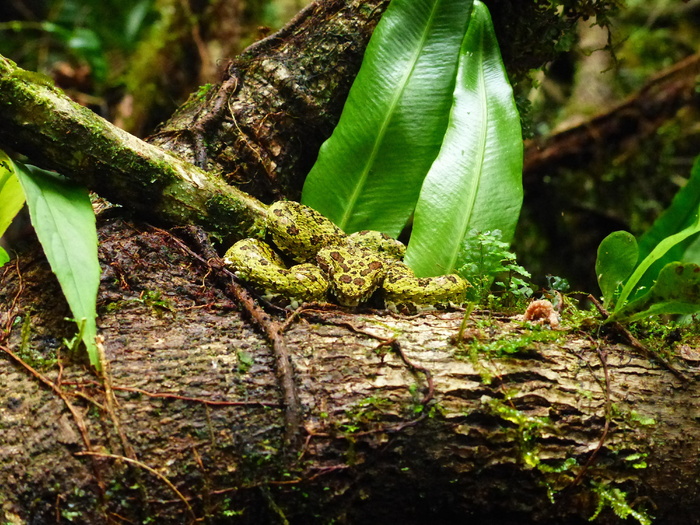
639,115
44,124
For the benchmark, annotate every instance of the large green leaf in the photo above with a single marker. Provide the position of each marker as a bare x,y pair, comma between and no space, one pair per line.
64,221
617,256
677,217
692,252
657,254
11,194
475,183
676,291
369,172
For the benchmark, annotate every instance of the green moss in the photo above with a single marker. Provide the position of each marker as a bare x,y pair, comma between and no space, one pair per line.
27,352
34,78
511,344
527,428
155,300
616,500
365,411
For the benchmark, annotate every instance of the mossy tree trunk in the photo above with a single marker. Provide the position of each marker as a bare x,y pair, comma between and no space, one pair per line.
375,419
398,421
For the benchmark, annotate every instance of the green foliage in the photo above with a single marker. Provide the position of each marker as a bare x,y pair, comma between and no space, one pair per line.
429,98
528,428
64,222
616,499
368,173
680,215
617,258
488,259
475,183
676,291
659,282
11,198
94,33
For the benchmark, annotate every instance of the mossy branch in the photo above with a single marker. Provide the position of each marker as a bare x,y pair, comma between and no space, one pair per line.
41,122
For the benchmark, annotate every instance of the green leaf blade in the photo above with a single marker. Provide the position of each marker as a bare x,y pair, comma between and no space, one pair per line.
11,194
657,254
369,172
678,216
617,257
676,291
64,222
475,183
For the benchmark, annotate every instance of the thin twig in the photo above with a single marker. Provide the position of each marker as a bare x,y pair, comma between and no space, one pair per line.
608,416
13,306
79,421
392,343
110,400
272,330
196,399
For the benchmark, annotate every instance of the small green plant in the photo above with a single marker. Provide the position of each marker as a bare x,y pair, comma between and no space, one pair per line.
616,499
489,262
659,274
64,221
528,428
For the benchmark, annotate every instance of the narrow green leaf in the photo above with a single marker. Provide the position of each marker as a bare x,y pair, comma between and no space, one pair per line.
369,172
617,257
11,194
475,183
692,252
676,291
678,216
64,221
4,257
656,254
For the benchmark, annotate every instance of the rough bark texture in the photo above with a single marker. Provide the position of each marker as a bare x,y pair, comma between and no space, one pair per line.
278,101
197,400
399,423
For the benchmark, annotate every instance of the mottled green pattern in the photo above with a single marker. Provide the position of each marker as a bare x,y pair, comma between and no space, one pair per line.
254,261
351,267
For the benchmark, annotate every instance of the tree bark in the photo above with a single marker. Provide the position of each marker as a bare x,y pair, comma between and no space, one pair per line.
400,422
282,98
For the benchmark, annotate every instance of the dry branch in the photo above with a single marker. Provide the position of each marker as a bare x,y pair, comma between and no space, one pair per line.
638,116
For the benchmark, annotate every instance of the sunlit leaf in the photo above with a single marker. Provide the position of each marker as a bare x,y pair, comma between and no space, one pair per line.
678,216
656,254
369,172
676,291
11,194
64,221
617,257
475,184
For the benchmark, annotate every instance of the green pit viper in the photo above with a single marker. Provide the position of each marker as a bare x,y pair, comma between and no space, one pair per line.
350,267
